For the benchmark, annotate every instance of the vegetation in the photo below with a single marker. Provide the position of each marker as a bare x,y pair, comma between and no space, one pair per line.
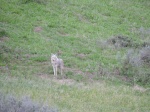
10,104
105,46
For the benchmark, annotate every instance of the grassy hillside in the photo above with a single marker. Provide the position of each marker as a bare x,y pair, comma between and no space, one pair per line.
69,96
105,45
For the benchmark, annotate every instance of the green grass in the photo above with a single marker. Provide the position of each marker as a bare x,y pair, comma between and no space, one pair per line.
30,30
77,97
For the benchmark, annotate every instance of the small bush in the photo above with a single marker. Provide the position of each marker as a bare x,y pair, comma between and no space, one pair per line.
145,55
120,41
10,104
135,66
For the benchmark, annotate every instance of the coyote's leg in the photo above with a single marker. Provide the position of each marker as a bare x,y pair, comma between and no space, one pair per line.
54,70
61,70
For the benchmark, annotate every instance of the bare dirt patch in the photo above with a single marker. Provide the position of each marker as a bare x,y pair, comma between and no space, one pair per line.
64,81
38,29
139,88
4,38
82,18
81,56
43,76
56,79
63,33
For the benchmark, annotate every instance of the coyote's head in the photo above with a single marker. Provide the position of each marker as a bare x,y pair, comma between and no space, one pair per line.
54,58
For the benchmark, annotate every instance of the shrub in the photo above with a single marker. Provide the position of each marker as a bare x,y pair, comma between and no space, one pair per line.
120,41
135,66
10,104
145,55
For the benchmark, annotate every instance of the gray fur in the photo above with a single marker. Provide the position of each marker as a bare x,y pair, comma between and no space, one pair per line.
56,62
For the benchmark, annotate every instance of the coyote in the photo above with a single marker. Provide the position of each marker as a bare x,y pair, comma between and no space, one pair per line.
56,62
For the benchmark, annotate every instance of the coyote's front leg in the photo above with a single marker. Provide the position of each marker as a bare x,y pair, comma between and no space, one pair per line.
54,71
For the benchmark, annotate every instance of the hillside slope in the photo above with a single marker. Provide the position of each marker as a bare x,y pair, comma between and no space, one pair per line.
104,44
